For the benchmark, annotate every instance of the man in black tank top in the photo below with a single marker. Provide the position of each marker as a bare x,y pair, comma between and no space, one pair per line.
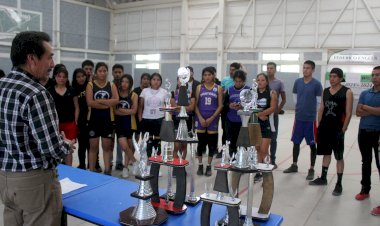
333,118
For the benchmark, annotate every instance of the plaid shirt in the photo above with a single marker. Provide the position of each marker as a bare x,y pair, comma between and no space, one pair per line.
29,133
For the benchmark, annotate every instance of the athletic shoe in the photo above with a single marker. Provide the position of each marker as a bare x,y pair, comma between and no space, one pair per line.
258,177
318,181
361,196
200,170
310,174
98,169
337,190
292,169
274,166
376,211
119,166
125,173
208,171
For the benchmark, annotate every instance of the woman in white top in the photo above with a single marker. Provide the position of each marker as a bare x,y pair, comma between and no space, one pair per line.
150,116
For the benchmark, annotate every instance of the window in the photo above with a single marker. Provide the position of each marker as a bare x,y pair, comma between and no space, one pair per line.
281,56
290,68
148,61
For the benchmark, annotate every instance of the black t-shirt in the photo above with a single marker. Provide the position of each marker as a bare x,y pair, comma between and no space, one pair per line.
334,112
64,104
137,90
83,108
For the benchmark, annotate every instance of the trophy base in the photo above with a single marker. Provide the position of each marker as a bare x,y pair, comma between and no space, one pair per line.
127,219
175,163
171,198
168,109
169,207
225,201
221,222
222,167
192,202
255,213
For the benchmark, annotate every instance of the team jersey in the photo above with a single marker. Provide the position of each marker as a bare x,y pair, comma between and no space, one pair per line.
125,121
101,92
234,97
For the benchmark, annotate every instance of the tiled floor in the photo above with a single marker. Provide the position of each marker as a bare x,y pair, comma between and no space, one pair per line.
299,203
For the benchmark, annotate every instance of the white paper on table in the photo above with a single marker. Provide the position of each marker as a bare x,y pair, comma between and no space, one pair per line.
67,185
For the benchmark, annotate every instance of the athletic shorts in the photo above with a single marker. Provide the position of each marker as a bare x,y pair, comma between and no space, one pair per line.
101,128
330,140
124,133
304,129
70,129
211,129
265,129
153,126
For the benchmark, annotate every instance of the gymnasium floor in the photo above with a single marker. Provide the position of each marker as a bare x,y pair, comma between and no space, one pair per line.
299,203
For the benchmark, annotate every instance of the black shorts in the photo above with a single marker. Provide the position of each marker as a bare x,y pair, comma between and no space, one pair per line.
330,140
153,126
101,128
266,131
124,133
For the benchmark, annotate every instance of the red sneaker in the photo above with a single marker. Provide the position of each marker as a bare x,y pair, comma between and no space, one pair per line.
361,196
376,211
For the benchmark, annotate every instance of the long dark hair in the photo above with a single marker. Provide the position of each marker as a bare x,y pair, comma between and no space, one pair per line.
266,79
130,80
74,82
64,71
211,70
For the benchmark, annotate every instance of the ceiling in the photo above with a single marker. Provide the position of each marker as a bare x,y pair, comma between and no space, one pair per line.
107,3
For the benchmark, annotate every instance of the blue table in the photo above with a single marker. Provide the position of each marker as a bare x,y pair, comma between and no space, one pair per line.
93,180
102,204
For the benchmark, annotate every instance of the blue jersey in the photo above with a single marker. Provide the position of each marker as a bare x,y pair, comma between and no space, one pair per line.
307,93
234,97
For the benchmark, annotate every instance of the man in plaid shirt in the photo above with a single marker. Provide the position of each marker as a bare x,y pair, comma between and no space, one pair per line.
30,143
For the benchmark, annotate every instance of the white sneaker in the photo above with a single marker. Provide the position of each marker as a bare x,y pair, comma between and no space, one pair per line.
125,173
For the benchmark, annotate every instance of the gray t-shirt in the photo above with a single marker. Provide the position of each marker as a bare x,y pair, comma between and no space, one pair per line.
278,86
307,93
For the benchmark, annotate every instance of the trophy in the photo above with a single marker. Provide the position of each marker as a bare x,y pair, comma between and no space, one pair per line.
183,101
144,213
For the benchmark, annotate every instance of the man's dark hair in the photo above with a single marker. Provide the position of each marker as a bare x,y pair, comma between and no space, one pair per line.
311,63
2,74
87,63
273,64
119,66
235,65
25,43
376,68
240,74
144,75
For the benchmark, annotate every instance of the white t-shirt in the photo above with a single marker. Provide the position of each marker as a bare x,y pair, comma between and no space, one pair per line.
153,100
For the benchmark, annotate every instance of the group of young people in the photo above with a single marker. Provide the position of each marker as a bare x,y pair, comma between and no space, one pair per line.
98,108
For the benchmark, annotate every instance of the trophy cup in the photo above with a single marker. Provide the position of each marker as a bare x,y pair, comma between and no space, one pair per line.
144,213
183,101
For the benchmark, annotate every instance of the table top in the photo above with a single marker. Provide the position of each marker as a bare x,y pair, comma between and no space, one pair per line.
93,180
103,203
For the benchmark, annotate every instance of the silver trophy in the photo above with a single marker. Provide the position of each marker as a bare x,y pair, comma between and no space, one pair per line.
241,158
246,97
191,198
144,211
254,95
140,148
168,95
183,101
167,155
